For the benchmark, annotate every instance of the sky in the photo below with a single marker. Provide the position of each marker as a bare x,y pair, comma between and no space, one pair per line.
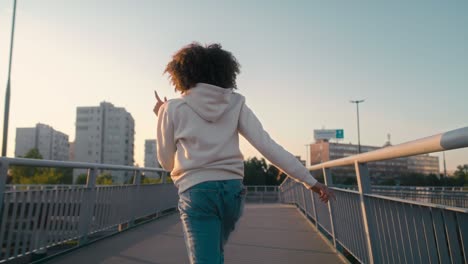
301,63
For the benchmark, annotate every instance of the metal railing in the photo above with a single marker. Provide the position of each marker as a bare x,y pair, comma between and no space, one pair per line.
450,196
35,217
262,194
379,229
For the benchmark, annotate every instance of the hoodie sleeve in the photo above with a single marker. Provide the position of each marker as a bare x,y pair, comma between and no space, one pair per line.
166,147
251,128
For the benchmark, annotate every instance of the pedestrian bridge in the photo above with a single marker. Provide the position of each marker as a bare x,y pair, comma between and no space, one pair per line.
137,223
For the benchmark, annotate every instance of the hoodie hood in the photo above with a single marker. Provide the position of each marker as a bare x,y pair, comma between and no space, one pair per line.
208,101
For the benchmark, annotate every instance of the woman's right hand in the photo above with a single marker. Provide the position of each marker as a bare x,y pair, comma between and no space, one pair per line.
324,193
159,103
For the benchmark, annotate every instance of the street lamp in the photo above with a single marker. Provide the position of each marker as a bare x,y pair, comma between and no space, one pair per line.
7,95
357,102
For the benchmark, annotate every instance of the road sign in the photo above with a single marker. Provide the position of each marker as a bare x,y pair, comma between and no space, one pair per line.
328,134
339,133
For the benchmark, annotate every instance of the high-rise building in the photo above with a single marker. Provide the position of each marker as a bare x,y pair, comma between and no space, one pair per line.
151,159
105,134
51,144
323,151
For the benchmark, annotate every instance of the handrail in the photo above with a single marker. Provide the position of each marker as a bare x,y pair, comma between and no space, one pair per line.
72,164
453,139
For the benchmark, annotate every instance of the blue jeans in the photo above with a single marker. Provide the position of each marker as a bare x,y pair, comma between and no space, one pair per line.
209,212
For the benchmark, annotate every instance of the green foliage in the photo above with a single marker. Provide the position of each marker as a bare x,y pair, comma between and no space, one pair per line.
81,179
39,175
104,178
258,172
461,175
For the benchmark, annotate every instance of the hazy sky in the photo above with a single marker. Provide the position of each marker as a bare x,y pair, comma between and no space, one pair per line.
302,61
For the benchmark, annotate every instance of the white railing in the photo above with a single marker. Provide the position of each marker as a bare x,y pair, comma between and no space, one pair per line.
380,229
34,218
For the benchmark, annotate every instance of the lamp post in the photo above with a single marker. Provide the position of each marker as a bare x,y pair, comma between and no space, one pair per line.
357,102
7,94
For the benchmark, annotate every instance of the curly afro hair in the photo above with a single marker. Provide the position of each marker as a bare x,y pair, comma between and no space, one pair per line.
210,64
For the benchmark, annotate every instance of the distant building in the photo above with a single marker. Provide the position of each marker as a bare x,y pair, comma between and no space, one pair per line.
323,151
52,144
71,153
105,134
151,159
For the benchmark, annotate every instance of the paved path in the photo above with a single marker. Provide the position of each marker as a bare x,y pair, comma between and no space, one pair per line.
266,234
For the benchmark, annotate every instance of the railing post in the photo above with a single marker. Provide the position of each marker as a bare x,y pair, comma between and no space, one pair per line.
315,209
87,206
327,176
303,199
163,177
364,187
135,193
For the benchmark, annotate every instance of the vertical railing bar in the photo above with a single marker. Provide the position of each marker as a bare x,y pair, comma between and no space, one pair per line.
3,229
135,201
327,176
71,221
413,227
32,224
355,214
314,207
385,239
392,241
105,201
441,242
53,219
23,223
403,239
66,213
407,232
108,193
98,208
452,236
303,199
19,222
86,216
58,236
421,235
12,225
74,202
41,235
394,234
365,187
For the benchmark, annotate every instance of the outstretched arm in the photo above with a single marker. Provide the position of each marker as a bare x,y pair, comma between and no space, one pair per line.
251,128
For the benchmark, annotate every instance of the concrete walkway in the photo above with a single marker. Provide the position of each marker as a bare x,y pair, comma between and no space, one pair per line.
266,234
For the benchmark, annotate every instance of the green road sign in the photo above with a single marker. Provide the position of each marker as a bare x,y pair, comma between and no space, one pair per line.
339,133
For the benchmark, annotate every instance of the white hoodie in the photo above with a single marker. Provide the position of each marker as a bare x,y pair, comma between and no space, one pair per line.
198,138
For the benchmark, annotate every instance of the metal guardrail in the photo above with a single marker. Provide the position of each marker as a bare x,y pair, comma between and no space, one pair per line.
450,196
34,218
262,194
380,229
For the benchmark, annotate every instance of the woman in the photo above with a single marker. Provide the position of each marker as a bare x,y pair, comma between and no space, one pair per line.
198,142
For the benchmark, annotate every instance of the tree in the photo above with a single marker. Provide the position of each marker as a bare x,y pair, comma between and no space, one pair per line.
104,179
255,171
81,179
39,175
258,172
461,175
